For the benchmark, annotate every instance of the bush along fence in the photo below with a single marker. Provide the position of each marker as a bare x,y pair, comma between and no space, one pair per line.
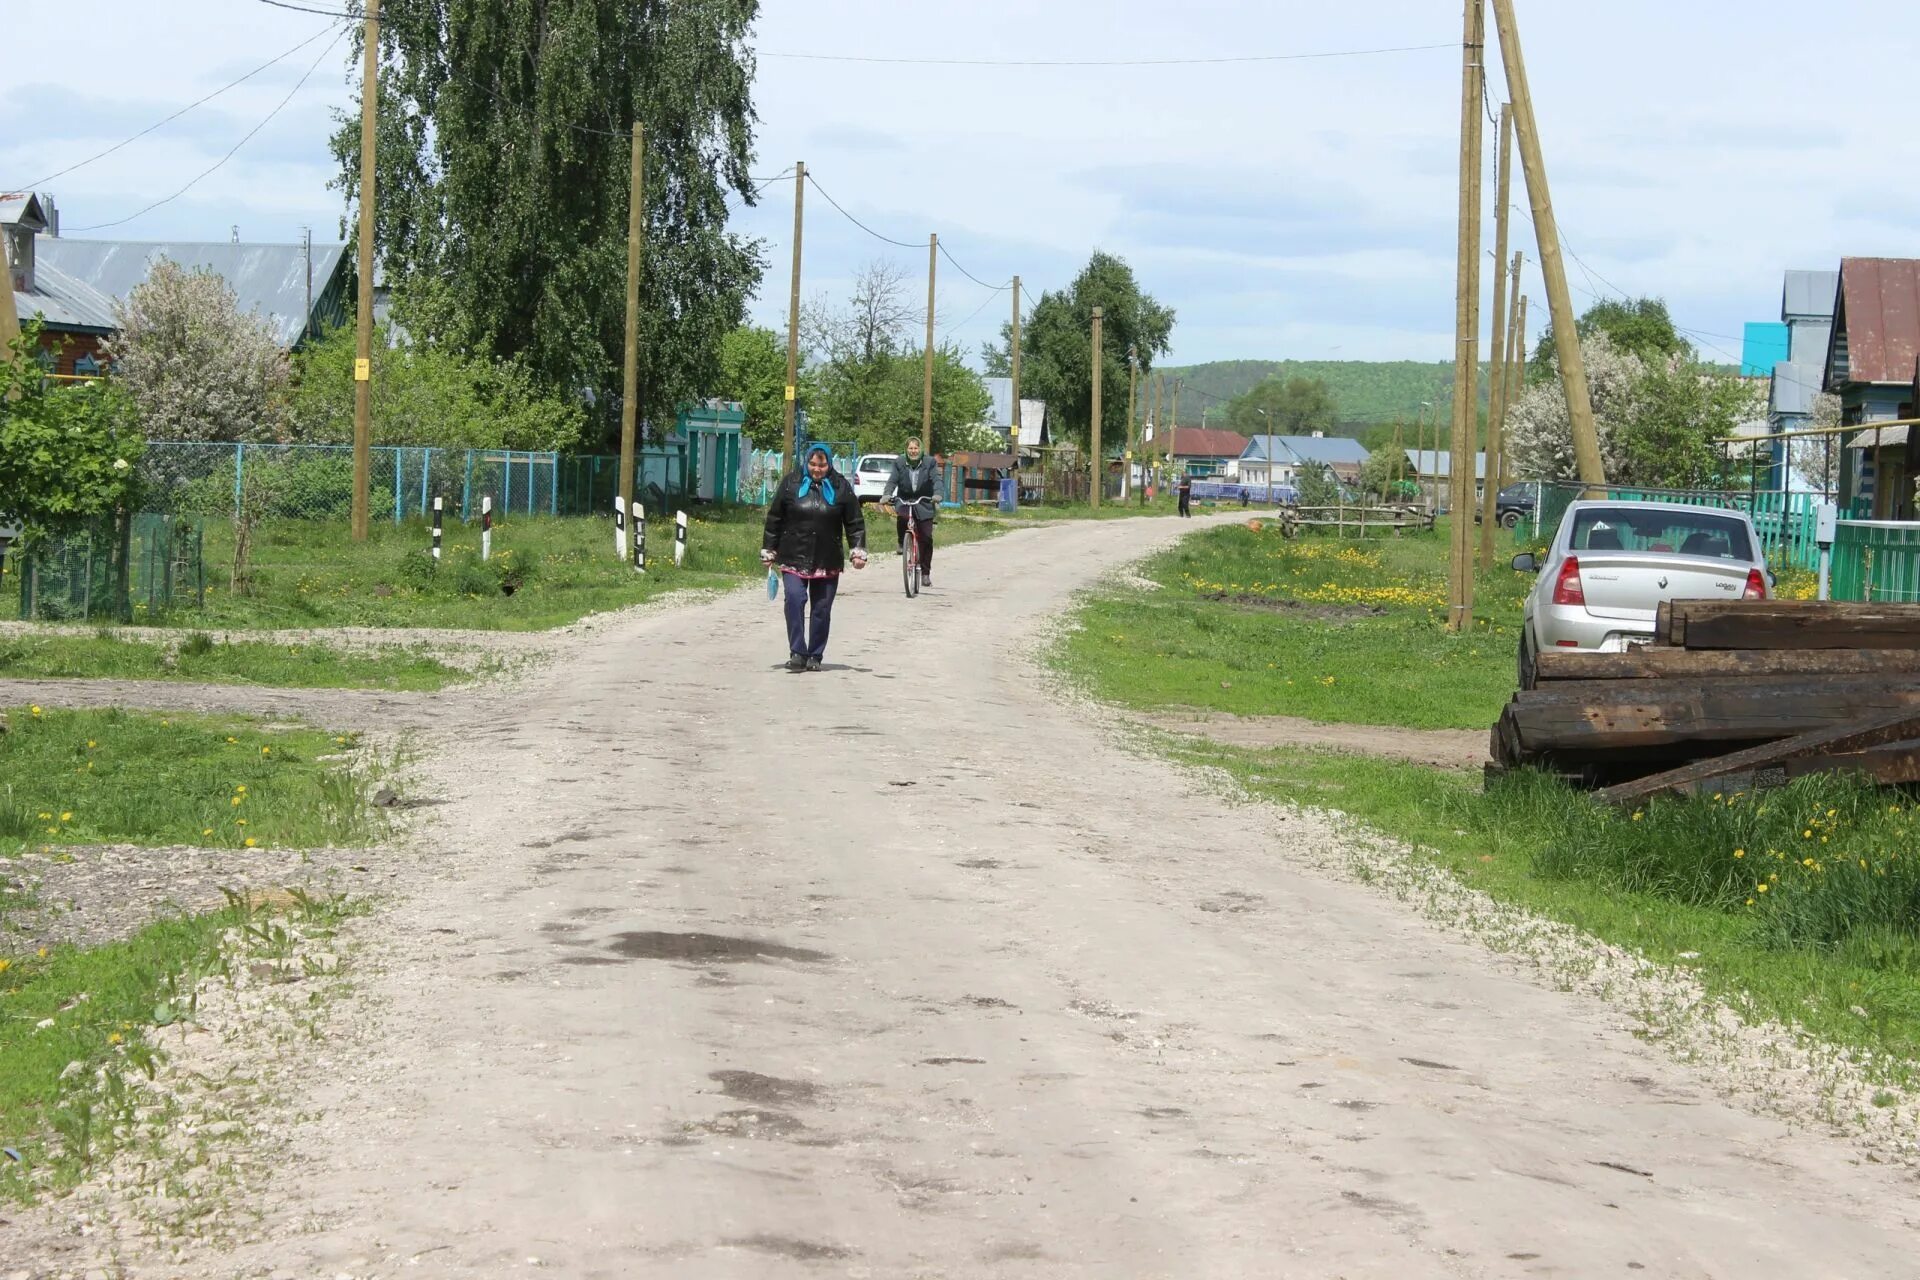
315,482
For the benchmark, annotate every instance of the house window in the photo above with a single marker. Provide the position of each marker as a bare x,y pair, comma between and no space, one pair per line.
86,367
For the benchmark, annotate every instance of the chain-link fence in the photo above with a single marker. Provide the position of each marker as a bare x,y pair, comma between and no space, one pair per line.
315,482
1785,521
132,570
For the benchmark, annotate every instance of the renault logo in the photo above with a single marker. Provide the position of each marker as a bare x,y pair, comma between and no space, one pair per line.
1663,584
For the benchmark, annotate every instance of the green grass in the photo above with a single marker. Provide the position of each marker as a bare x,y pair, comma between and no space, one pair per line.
201,659
1254,623
309,573
62,1123
88,777
1111,509
1815,948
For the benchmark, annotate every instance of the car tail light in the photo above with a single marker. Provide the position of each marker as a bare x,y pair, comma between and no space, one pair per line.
1756,586
1567,588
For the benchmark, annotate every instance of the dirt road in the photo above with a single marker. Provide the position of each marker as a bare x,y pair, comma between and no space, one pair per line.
906,970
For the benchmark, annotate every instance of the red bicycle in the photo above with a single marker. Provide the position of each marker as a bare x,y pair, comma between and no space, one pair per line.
910,553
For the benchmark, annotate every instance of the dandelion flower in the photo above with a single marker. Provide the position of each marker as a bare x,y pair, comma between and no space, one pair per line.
235,803
239,822
251,842
114,1037
266,751
67,816
207,831
1762,887
34,710
1638,815
1739,853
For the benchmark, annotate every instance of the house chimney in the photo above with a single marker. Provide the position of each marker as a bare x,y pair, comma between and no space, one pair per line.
52,210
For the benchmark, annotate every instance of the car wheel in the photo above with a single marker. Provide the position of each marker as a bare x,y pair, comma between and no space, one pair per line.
1528,668
1510,520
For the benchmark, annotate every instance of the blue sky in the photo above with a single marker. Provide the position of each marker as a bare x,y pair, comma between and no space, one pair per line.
1300,210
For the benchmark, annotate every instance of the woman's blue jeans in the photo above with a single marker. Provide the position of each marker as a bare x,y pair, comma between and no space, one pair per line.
809,614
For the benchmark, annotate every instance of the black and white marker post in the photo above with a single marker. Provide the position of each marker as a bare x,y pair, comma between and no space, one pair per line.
437,502
679,538
486,527
639,538
620,526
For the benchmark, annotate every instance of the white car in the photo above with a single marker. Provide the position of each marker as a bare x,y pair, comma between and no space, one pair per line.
1612,564
870,475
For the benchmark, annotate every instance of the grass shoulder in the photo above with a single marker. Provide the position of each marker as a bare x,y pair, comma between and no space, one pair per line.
122,777
199,658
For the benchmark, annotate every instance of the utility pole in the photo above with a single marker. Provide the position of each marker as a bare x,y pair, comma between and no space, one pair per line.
1466,359
1516,360
363,339
9,318
793,312
926,399
1126,461
1497,345
1014,431
1099,464
1158,388
630,385
1566,338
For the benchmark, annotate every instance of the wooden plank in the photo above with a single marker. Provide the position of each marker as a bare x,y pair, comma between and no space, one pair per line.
1794,624
1899,726
1663,623
1895,764
1555,666
1624,715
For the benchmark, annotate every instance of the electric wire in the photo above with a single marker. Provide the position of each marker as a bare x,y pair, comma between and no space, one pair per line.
159,124
855,221
301,84
1107,62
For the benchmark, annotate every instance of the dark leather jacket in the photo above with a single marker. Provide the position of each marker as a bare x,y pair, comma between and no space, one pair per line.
915,484
805,531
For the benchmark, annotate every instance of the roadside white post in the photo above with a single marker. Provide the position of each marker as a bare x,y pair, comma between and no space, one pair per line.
639,538
679,538
486,527
437,503
620,526
1826,524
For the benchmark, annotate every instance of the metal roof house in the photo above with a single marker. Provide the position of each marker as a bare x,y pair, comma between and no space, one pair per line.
1279,459
1870,364
74,285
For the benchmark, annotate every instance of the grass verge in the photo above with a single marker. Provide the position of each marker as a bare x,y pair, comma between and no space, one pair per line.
1830,946
74,1025
201,659
95,777
1251,622
544,572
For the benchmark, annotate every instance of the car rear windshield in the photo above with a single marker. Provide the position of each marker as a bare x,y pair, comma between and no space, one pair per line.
1684,533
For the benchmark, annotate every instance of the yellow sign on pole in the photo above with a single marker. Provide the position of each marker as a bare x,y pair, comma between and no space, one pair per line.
363,370
790,392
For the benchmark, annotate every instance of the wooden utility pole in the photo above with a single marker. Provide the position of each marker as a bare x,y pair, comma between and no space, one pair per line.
1466,360
1099,463
9,317
1158,388
1013,441
1497,344
1126,460
630,384
926,398
792,391
1516,361
1566,337
363,338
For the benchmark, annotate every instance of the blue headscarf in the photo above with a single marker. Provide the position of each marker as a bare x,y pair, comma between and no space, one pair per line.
806,478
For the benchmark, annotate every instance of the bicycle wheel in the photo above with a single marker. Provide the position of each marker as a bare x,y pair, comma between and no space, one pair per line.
910,563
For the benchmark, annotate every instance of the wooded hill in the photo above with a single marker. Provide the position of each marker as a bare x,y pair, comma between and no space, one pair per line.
1369,393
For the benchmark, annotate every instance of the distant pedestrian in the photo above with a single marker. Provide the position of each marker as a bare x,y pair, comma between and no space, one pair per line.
812,511
1186,495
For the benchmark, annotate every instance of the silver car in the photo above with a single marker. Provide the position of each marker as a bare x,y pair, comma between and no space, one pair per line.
1613,563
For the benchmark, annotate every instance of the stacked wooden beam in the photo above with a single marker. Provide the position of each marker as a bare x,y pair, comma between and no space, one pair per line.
1728,689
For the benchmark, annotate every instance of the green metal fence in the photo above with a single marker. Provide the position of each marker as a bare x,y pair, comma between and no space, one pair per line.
1876,560
1784,521
135,571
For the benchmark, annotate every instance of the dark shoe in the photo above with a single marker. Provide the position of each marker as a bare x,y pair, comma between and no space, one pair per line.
813,664
926,577
796,663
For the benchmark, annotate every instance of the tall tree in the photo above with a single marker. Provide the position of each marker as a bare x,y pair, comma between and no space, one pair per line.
1641,327
1056,348
504,178
753,371
1290,407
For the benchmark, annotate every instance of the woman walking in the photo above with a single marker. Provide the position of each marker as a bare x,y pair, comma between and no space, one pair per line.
813,510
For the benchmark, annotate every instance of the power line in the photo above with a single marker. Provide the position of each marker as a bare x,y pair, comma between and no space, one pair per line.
233,84
102,226
970,319
997,288
1106,62
855,221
